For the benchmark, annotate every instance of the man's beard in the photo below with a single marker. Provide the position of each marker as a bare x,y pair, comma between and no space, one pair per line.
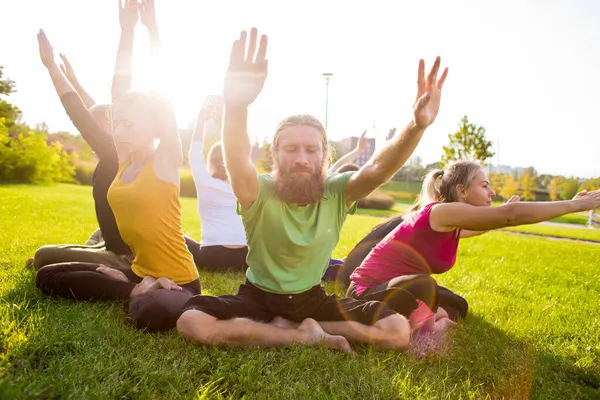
298,188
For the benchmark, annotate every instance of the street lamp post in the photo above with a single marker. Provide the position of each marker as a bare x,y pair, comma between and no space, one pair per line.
327,76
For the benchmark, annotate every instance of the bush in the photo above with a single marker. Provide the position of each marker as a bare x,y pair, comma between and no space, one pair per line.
25,157
401,196
84,174
187,185
377,200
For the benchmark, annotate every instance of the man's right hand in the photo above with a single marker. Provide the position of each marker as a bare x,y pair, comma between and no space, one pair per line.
245,76
128,14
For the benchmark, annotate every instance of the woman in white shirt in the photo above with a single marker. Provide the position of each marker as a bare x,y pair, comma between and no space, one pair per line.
223,244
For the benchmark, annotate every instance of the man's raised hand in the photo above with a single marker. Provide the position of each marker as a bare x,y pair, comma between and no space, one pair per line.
128,14
246,74
429,91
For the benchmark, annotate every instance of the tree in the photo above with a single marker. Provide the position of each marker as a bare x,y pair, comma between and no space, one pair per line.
568,188
468,143
554,188
26,157
497,183
546,180
590,184
528,181
510,186
6,85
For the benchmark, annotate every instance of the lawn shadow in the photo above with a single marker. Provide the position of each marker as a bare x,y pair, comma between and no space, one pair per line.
482,357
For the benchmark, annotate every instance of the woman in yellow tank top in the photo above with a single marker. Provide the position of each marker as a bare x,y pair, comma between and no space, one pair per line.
145,200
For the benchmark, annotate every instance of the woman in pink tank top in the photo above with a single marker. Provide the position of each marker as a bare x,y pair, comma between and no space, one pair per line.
454,203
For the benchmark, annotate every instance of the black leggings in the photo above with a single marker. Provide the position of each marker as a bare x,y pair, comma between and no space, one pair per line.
217,258
402,293
152,311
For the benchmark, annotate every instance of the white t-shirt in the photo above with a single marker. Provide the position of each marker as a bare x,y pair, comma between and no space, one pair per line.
221,225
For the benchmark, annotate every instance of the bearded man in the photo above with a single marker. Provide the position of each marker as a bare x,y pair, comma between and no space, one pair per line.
293,219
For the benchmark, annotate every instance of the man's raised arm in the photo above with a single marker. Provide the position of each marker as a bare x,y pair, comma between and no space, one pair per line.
389,159
243,83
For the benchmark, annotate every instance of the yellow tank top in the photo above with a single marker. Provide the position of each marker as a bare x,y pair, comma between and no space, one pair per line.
148,214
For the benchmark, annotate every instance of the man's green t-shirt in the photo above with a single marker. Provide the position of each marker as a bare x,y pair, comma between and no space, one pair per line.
289,247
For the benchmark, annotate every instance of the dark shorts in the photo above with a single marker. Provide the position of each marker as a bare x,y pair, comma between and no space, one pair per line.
258,305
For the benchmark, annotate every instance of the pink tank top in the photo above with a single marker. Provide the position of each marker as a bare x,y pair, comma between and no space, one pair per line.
412,248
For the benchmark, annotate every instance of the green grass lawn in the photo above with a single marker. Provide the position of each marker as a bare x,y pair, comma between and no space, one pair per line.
559,231
532,331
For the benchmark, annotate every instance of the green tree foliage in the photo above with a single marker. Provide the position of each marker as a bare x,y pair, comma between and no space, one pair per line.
497,183
591,184
10,113
529,181
510,186
468,143
26,157
568,188
554,187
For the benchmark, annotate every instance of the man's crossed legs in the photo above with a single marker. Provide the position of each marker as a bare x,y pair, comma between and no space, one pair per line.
254,317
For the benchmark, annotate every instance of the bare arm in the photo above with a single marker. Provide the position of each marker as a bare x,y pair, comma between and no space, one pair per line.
244,81
464,233
93,134
385,162
448,216
69,72
346,159
237,149
353,155
122,77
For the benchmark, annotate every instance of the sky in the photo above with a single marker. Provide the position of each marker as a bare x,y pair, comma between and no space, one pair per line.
527,70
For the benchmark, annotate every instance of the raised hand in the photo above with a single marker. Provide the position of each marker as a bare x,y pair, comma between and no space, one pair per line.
148,14
128,14
583,193
587,200
67,69
361,145
390,134
46,50
246,75
429,92
513,199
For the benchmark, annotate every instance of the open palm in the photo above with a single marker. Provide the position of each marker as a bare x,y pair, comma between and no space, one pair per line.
246,75
46,50
429,93
128,14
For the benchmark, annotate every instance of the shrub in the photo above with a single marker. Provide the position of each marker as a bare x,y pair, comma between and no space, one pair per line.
401,196
84,174
25,157
377,200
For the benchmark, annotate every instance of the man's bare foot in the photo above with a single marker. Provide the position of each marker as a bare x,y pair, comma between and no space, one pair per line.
113,273
316,336
283,323
149,283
